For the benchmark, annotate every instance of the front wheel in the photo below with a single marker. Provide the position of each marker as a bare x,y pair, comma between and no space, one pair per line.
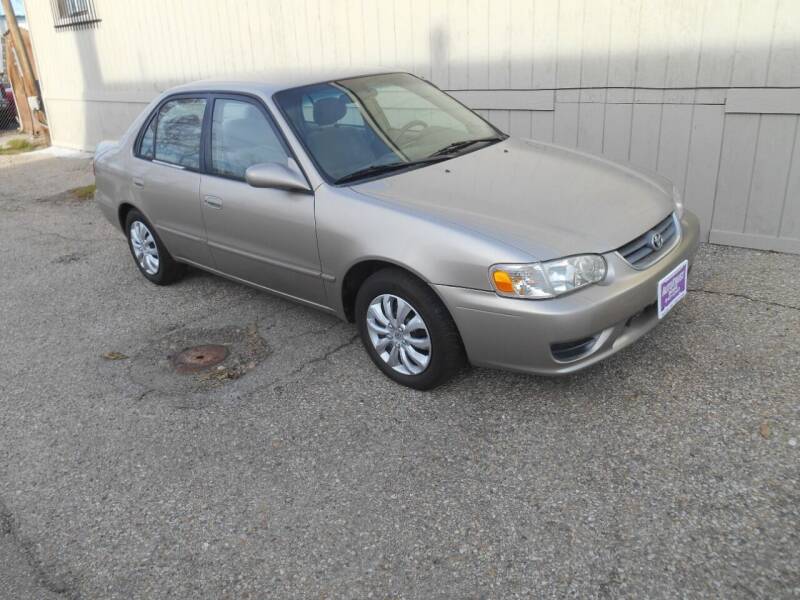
407,331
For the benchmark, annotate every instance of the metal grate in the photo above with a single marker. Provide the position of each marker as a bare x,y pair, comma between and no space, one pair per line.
652,244
74,14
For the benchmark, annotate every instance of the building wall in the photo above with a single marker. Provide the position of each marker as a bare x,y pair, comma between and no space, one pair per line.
706,92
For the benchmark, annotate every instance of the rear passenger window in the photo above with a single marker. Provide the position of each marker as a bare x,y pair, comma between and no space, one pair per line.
177,134
241,136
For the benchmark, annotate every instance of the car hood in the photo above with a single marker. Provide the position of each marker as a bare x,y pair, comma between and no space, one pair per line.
545,200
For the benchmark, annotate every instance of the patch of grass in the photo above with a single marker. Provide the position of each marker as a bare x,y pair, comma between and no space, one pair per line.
17,146
83,193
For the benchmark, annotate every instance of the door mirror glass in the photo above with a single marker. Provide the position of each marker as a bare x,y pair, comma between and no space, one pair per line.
275,175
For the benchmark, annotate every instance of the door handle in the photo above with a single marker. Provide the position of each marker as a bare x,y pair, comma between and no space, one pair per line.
138,182
213,201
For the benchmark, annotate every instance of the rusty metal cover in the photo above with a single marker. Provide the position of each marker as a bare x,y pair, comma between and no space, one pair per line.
199,358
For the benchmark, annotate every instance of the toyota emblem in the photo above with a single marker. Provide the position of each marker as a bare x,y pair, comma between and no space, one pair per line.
656,241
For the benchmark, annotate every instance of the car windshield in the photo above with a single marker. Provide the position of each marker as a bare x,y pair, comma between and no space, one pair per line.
367,126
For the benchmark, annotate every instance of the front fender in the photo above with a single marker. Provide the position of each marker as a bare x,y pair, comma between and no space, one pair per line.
353,227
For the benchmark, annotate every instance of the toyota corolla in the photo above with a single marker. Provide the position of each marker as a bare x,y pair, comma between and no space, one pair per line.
381,199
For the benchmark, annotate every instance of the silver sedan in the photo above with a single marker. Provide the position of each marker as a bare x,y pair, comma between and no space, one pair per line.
379,198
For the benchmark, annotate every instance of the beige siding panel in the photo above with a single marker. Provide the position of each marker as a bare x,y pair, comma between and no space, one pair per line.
617,131
542,124
594,52
590,126
545,44
790,217
703,163
770,172
673,147
760,101
499,56
753,43
478,44
565,125
784,64
519,123
645,134
521,44
740,137
720,26
623,42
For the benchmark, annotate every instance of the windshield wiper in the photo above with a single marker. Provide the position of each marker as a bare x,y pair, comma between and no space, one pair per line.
373,170
455,146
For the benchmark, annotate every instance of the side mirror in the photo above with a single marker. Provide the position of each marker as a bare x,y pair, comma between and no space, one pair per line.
276,175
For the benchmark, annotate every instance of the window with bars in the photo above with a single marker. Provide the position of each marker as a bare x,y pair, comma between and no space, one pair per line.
74,14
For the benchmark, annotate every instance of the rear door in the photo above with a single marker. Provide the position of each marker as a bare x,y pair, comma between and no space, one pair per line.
260,235
166,176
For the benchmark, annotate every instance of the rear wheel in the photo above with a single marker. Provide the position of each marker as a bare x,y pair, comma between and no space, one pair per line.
149,253
407,331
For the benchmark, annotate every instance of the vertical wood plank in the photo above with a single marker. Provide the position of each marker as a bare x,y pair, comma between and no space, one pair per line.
645,133
784,64
458,45
770,172
440,44
545,43
790,221
590,126
617,131
753,43
570,42
735,171
720,25
521,36
499,55
478,57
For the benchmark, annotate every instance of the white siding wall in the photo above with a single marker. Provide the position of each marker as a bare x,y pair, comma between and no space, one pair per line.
706,92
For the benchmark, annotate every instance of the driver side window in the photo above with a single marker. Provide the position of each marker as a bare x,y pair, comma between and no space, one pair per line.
241,136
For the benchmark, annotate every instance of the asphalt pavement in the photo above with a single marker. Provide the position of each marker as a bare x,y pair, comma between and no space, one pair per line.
299,471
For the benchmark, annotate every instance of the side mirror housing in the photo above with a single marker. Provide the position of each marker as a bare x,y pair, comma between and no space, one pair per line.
276,175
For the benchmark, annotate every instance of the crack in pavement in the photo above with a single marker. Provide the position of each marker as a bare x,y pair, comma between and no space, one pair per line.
53,584
743,297
319,359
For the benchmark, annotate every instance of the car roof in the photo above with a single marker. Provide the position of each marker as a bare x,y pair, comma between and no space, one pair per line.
270,82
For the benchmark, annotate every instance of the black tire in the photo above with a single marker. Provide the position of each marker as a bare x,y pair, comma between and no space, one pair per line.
447,355
169,271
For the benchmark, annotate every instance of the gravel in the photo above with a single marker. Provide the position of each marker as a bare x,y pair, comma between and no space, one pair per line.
669,470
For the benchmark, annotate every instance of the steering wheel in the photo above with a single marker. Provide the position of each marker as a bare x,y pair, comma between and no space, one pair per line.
405,131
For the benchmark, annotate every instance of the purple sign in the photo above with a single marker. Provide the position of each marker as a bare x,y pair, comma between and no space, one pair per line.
672,288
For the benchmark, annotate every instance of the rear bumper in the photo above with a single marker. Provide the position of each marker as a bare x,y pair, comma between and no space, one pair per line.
519,335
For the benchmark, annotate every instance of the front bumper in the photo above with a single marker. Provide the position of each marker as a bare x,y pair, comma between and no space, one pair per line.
519,335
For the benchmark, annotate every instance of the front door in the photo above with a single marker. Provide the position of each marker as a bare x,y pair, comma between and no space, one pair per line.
260,235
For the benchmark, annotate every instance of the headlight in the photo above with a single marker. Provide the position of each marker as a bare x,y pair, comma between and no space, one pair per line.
547,279
677,200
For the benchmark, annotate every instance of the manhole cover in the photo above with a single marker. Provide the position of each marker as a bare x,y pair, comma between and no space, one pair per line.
199,358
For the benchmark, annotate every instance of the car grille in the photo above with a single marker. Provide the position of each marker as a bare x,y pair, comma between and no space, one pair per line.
641,252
